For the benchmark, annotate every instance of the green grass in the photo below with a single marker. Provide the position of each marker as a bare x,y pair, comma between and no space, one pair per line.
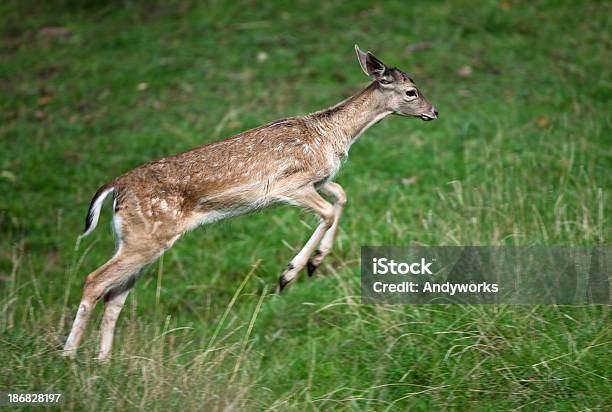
521,155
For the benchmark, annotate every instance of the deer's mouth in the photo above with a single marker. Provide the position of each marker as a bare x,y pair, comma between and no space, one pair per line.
427,118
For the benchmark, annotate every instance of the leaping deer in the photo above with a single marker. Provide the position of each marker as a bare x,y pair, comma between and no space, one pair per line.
290,160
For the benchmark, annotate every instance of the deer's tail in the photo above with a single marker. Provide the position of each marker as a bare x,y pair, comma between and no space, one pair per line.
93,214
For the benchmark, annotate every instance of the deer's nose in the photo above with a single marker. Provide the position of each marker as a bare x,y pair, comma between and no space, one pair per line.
435,112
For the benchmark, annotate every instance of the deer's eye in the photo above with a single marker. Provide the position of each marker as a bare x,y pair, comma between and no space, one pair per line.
411,93
383,81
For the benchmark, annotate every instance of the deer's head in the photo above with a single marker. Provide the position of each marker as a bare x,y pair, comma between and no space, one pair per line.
401,94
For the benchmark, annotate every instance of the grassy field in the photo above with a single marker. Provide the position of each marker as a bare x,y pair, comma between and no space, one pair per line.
521,155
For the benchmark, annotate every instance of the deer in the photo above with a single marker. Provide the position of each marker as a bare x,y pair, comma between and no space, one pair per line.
288,161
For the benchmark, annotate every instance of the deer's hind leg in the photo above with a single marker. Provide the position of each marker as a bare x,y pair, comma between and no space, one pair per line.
113,303
117,274
137,247
114,300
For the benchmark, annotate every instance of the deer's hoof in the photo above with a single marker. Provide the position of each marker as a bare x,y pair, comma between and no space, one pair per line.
314,262
104,359
311,268
282,280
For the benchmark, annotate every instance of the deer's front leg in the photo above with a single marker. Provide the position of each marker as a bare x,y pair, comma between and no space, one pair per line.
309,199
334,190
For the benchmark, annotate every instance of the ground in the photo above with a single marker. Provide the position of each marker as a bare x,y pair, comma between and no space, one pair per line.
520,155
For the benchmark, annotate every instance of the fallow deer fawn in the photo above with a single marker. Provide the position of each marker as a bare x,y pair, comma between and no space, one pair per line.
291,160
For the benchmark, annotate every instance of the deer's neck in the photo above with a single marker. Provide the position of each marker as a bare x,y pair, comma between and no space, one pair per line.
349,119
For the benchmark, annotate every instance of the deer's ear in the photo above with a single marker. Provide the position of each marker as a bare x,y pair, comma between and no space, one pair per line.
371,65
375,67
362,58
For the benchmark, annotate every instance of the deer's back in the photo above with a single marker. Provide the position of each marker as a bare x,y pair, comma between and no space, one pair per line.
248,170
